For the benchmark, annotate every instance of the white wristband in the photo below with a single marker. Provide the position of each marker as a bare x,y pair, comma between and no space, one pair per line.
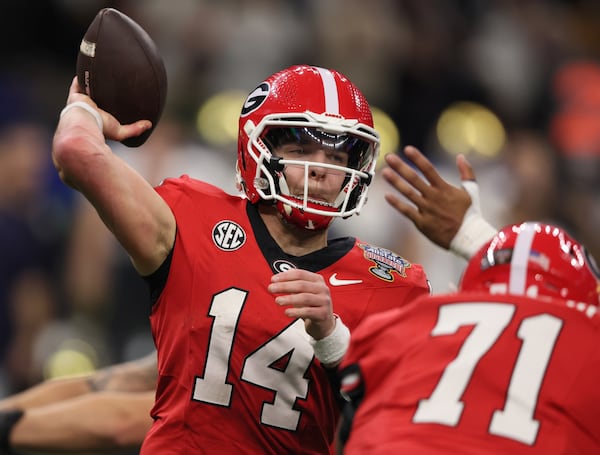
474,231
331,349
85,107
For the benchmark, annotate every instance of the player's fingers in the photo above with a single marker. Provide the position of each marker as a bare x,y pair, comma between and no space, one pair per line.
74,87
409,211
315,314
399,171
395,177
115,131
288,287
76,95
407,189
301,299
465,169
397,167
426,167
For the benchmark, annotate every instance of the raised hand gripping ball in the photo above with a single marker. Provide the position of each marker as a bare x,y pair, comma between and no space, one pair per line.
121,69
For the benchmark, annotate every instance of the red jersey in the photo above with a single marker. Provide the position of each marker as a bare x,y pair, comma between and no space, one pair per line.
476,374
235,374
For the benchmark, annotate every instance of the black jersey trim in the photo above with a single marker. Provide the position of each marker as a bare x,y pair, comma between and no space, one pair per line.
158,280
313,262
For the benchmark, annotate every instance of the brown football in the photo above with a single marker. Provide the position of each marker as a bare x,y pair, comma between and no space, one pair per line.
121,69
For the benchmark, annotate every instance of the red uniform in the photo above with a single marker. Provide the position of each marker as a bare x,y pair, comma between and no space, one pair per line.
235,374
475,373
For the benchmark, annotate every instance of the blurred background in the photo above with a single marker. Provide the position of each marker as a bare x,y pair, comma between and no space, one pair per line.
513,84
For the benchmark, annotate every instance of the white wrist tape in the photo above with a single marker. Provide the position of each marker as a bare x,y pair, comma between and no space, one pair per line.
85,107
331,349
474,231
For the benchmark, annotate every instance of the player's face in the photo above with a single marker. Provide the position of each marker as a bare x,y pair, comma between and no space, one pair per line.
324,183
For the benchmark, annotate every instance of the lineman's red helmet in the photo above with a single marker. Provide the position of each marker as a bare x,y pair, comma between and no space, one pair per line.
534,259
306,103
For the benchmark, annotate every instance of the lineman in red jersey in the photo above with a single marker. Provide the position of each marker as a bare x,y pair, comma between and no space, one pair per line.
509,364
244,288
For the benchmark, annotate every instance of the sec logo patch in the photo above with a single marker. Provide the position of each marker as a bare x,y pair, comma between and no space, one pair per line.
228,235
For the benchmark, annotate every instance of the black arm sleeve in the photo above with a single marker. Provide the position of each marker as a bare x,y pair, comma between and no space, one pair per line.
156,281
8,419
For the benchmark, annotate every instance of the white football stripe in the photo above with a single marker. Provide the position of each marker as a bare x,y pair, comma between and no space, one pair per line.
520,259
332,104
87,48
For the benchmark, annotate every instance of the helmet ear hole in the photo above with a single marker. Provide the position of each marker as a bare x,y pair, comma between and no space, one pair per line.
551,288
591,262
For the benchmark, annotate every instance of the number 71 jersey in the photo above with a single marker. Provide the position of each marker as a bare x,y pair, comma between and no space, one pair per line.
476,374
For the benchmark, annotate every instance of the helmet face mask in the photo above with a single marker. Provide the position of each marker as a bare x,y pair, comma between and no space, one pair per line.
303,105
537,260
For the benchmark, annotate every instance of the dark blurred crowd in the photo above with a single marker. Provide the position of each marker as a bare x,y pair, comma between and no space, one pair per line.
69,300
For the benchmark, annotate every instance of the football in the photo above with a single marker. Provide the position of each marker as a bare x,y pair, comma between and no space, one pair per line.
121,69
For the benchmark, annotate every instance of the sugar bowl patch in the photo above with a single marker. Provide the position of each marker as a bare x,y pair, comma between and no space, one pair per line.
386,262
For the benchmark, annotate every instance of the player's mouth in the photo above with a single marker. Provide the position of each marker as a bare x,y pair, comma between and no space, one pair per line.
313,199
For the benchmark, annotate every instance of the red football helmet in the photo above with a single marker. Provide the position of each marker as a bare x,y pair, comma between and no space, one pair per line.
534,259
298,104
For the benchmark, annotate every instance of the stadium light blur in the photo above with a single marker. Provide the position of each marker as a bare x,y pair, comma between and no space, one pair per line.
217,118
389,134
74,357
470,128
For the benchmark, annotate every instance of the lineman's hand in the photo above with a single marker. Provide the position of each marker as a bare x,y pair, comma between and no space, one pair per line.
439,207
305,295
112,128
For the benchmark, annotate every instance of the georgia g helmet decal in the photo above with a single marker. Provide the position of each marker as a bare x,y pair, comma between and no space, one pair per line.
255,99
306,101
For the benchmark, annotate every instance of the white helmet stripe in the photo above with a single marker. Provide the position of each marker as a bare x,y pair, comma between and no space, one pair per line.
332,104
520,259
